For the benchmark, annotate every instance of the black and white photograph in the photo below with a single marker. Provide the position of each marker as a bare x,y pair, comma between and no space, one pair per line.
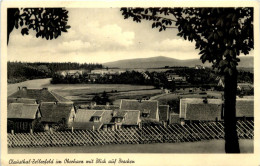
128,80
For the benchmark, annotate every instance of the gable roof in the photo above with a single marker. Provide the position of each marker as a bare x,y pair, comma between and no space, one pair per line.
143,106
203,112
41,95
131,117
55,112
22,111
245,86
163,112
21,100
185,101
245,107
84,121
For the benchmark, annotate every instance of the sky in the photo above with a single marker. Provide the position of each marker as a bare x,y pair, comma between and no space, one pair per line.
99,35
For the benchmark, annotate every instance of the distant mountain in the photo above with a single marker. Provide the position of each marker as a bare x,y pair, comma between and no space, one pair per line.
161,61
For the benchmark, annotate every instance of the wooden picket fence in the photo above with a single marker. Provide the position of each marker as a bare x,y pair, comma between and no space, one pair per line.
157,134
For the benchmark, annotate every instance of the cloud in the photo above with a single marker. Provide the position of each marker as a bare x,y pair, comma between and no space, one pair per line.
110,36
174,45
74,45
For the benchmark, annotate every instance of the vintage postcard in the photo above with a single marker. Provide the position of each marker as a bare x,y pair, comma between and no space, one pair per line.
127,83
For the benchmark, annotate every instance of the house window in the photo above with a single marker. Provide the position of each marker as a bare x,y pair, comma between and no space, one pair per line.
118,120
145,115
96,119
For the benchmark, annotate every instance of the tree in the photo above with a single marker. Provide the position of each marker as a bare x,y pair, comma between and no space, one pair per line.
221,35
48,23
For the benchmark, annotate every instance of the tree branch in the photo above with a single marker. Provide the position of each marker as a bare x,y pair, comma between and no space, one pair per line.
171,27
158,17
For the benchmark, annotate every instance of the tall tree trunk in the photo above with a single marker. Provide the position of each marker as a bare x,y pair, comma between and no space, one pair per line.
230,90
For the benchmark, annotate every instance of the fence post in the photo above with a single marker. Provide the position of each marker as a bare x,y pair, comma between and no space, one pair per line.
72,129
12,131
140,125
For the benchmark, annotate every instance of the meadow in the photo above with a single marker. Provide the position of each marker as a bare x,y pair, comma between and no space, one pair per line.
83,93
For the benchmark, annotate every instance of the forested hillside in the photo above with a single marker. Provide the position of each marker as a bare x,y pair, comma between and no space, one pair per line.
21,71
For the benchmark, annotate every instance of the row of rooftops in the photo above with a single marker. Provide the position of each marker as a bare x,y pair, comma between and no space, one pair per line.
212,109
31,103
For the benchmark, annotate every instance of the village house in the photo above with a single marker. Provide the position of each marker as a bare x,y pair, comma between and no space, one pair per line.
164,111
176,78
126,118
245,88
74,73
21,100
199,67
22,117
57,115
198,109
40,95
93,119
103,72
92,77
105,119
149,109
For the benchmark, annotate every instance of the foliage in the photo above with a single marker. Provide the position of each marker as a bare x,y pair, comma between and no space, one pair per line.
102,99
221,35
21,71
48,23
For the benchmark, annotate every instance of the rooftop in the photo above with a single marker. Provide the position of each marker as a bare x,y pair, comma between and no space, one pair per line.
21,100
55,112
84,120
207,112
22,111
185,101
150,106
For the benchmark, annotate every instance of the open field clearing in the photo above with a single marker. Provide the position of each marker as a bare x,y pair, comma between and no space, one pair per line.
33,84
81,89
163,99
212,146
82,93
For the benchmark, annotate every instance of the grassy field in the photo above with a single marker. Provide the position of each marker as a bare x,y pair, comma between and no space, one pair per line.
83,93
163,99
33,84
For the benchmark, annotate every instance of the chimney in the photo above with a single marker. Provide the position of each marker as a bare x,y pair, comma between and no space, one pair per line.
18,88
24,88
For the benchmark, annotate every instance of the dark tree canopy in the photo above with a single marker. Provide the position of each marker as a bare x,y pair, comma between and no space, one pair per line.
48,23
221,34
